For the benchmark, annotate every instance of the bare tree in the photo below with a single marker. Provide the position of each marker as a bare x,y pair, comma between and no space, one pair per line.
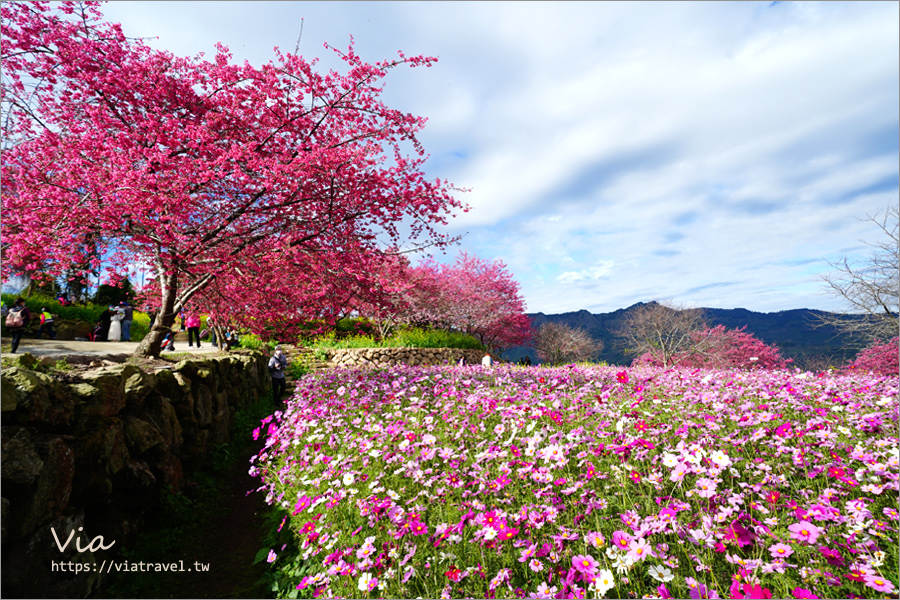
870,287
668,331
558,343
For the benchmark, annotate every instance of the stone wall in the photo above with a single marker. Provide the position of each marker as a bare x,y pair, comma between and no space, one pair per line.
385,357
91,456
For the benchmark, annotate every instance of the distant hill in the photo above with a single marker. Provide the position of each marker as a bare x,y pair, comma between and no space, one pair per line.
797,333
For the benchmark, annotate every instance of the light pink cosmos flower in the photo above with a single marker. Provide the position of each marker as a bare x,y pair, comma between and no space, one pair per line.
706,488
804,531
879,583
536,565
638,550
527,553
780,550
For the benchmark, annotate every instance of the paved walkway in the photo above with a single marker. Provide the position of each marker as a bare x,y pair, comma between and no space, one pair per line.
45,347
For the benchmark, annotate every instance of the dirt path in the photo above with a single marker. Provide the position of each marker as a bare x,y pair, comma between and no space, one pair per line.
230,543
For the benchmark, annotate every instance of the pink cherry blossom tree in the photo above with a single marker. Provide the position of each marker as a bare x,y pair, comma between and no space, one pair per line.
206,170
720,347
881,358
475,296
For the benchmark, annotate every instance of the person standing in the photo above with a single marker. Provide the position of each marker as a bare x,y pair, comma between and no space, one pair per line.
115,326
105,322
16,321
277,366
46,322
126,322
487,361
193,328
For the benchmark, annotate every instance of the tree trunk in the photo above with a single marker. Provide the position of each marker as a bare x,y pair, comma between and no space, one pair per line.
152,343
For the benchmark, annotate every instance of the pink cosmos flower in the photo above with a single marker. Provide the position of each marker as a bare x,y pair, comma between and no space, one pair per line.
832,555
585,563
804,531
536,565
528,553
879,583
638,550
803,594
780,550
303,502
706,487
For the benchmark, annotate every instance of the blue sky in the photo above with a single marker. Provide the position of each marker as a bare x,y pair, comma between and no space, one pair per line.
714,154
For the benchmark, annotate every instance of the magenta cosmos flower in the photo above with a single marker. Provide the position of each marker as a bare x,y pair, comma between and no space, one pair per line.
621,539
585,563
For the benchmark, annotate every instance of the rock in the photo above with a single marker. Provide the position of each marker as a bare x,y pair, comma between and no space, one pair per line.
49,492
136,476
41,400
141,436
21,463
138,386
100,452
8,396
26,361
203,408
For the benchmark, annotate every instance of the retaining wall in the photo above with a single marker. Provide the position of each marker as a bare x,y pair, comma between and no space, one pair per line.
96,452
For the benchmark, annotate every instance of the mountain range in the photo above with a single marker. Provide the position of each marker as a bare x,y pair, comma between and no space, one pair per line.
798,333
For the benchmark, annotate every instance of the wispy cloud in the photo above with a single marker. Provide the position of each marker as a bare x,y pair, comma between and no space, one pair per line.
714,153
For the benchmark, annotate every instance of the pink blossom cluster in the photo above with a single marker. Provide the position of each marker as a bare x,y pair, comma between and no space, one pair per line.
586,482
879,358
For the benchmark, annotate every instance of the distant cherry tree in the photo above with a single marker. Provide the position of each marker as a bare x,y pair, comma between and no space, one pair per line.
879,358
205,170
474,296
727,349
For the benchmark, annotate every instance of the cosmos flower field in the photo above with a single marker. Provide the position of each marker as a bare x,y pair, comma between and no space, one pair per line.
578,482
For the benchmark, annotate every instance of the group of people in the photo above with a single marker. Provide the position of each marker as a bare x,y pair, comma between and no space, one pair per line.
19,316
115,324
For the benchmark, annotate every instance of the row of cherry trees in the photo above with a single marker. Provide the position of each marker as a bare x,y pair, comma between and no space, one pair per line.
265,192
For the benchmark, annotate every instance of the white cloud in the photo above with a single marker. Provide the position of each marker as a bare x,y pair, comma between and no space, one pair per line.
707,151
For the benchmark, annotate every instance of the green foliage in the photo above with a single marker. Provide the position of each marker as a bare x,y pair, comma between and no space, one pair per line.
111,294
433,338
297,369
356,326
403,338
254,342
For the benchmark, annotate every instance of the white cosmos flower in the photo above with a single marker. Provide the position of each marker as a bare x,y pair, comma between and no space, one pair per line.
604,582
349,478
720,458
661,574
